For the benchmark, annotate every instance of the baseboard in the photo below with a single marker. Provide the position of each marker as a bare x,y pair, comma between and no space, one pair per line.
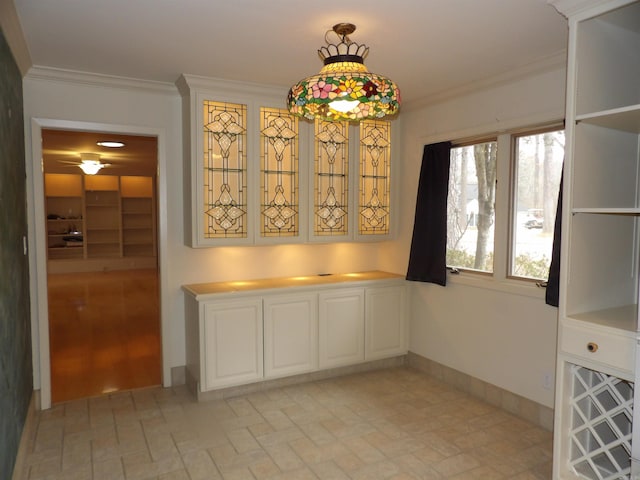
26,439
178,376
229,392
517,405
522,407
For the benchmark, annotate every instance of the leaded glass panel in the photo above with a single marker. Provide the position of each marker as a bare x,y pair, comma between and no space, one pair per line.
225,170
375,177
279,209
331,178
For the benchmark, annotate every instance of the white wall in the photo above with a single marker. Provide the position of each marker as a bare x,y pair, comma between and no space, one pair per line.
497,330
493,330
85,98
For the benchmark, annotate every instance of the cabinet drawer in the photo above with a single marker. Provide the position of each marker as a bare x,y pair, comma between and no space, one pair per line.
614,350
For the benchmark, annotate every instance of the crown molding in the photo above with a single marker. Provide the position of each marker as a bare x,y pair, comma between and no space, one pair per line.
573,8
546,64
98,80
187,82
12,31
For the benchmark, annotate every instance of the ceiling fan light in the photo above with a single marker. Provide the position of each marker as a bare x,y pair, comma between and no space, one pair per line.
91,167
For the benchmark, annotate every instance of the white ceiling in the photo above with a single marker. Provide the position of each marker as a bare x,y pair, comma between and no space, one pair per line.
427,47
430,48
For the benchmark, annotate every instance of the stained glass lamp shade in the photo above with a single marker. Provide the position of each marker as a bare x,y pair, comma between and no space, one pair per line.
344,89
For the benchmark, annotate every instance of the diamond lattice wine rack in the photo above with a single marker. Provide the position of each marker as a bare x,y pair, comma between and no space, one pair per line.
601,409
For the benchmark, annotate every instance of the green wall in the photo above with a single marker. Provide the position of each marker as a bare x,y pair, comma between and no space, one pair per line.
16,372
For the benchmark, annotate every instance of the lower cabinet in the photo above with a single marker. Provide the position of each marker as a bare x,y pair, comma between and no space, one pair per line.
232,343
595,402
290,334
240,338
386,332
341,327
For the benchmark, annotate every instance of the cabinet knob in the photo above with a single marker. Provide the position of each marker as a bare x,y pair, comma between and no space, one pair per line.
592,347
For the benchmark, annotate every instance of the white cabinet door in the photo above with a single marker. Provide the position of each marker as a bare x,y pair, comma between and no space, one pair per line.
232,342
341,325
290,334
385,322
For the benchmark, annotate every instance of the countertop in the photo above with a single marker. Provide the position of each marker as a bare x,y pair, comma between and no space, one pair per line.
201,289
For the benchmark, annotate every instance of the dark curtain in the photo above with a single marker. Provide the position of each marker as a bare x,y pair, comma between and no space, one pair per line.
427,260
552,294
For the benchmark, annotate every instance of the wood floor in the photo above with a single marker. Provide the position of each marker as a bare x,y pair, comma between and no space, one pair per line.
104,332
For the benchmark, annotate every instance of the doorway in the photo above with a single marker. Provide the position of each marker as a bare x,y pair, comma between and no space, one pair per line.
102,263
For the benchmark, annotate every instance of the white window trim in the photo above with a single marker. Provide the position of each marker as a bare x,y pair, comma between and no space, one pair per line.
499,279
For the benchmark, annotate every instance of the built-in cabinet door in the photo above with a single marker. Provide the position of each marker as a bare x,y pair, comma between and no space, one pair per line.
341,327
290,334
232,343
385,322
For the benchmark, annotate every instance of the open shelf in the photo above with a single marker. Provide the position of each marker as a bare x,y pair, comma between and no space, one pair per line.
625,118
602,270
624,318
605,169
607,55
138,218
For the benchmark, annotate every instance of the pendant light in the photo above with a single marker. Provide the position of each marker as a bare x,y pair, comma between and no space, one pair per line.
344,89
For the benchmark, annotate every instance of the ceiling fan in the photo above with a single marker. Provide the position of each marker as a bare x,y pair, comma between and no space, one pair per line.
89,163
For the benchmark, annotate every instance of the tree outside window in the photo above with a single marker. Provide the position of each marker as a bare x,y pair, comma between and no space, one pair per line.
471,206
538,169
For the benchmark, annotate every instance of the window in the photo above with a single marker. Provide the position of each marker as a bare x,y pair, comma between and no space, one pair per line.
538,168
471,206
504,228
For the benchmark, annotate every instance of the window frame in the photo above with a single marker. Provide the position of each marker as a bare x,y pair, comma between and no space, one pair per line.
505,210
468,143
513,184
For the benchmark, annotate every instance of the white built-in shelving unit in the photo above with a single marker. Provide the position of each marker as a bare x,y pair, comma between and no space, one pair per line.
598,314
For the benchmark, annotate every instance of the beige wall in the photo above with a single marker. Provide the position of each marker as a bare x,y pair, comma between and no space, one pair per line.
500,333
494,329
81,98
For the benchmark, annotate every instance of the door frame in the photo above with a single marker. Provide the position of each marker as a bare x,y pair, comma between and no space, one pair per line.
38,248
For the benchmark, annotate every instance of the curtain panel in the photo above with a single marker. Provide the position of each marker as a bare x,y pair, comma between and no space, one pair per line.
427,259
552,294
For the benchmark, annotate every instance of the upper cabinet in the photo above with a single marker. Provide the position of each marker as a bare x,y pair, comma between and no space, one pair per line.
260,175
374,179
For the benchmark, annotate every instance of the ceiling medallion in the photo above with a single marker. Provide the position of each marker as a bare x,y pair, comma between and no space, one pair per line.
344,89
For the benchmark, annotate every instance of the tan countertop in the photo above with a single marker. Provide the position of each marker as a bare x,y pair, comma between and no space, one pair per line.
199,289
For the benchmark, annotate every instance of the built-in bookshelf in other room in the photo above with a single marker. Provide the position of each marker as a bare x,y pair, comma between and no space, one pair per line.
100,222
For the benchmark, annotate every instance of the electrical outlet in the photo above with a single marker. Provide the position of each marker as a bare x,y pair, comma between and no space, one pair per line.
547,381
